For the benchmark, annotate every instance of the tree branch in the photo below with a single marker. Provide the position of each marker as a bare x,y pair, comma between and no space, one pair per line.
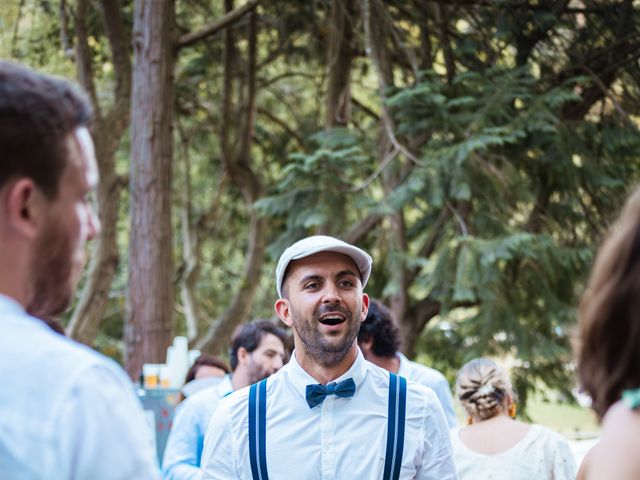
83,55
361,229
281,123
214,27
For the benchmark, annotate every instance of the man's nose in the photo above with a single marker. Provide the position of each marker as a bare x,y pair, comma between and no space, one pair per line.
331,294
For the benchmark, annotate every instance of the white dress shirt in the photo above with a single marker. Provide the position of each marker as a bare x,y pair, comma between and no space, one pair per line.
66,412
432,378
342,438
184,447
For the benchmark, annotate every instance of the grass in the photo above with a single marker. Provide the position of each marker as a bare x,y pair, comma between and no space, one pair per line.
571,420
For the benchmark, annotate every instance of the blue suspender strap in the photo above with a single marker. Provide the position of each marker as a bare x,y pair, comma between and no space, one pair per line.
402,409
253,434
262,428
395,426
258,430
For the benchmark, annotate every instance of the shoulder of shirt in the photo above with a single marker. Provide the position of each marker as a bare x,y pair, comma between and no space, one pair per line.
419,370
205,395
71,362
548,434
238,399
198,398
381,377
70,354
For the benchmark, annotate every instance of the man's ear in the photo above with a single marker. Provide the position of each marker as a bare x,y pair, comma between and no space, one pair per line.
366,346
365,307
23,204
283,310
243,355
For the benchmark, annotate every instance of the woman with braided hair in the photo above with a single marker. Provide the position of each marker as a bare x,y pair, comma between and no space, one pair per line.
496,446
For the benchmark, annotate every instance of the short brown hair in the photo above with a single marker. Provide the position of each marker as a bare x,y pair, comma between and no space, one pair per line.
249,336
380,327
37,113
609,345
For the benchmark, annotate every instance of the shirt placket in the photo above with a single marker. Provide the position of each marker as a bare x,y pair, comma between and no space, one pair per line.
327,438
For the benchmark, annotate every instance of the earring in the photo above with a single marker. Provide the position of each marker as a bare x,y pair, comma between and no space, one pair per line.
512,410
469,420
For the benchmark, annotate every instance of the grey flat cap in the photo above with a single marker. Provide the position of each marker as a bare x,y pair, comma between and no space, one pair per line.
322,243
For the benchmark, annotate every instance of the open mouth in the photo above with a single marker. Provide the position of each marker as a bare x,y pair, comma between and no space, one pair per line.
332,320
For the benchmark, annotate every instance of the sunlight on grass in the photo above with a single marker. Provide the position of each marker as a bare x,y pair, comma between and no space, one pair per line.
571,420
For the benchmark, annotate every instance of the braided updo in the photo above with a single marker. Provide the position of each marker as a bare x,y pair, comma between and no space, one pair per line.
482,387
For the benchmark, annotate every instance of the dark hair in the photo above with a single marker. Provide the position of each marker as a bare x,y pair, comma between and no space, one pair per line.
202,360
37,113
380,327
250,335
609,347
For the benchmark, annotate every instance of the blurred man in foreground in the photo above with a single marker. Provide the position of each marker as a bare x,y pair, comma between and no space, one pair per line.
65,411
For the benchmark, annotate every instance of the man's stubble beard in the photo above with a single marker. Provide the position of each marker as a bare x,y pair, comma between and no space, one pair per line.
256,372
51,270
326,353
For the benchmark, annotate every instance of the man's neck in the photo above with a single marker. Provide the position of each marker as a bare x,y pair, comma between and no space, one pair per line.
239,379
325,373
12,292
14,280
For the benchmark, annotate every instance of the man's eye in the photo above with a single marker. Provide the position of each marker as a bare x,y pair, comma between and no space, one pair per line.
346,284
312,286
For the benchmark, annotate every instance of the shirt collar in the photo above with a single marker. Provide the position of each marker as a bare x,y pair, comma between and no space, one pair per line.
404,364
300,378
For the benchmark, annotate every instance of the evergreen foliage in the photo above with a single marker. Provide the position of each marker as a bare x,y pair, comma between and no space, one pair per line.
514,140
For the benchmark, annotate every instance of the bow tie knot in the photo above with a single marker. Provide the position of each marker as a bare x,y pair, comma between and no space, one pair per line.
316,394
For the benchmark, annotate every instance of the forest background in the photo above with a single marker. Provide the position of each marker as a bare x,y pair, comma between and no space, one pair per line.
477,149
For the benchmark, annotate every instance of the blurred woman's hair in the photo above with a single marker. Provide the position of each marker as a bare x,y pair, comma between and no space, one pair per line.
609,315
202,360
482,387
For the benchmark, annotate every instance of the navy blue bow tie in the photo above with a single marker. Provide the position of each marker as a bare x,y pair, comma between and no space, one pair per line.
316,394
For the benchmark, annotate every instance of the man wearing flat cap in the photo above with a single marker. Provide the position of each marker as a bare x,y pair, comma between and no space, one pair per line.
328,413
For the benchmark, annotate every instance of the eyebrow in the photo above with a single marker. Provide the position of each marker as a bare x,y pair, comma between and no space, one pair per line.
275,352
346,272
341,273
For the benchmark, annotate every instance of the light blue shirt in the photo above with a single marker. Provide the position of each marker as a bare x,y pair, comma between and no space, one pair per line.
429,377
184,447
66,412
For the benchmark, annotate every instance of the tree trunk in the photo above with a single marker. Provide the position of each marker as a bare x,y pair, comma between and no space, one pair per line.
148,331
107,134
339,59
245,179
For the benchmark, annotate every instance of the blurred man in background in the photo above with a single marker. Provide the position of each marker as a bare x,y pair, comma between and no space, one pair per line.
257,351
379,340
